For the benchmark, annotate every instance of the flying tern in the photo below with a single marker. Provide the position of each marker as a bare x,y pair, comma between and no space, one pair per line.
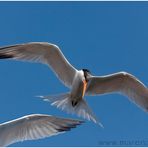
80,82
34,126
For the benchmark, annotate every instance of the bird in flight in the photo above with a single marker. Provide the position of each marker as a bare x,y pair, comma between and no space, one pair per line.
80,82
34,126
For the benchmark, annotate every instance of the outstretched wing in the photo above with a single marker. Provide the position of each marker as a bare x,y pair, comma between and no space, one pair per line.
35,126
45,53
123,83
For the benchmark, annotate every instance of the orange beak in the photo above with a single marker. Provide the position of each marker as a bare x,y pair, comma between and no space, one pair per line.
84,87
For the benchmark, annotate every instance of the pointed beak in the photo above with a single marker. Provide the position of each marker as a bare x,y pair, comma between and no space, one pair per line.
84,87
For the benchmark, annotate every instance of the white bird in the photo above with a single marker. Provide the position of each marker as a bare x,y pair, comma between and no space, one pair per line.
81,82
34,126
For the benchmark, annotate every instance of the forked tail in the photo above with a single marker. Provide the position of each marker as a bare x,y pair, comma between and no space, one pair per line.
63,102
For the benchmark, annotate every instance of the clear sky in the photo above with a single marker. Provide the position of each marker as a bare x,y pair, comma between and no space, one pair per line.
105,37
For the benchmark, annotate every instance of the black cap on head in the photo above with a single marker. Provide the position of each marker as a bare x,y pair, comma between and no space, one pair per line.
86,70
86,73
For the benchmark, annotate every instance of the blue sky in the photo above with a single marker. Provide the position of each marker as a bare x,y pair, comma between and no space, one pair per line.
105,37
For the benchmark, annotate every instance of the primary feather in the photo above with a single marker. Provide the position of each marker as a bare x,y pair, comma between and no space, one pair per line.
34,126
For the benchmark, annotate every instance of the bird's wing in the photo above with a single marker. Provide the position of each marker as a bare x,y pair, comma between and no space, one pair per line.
123,83
45,53
35,126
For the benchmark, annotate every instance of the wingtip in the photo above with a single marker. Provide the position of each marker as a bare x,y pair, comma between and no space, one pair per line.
5,56
64,129
69,127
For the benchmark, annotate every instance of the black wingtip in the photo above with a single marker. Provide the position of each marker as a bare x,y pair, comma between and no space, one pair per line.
5,56
69,127
63,129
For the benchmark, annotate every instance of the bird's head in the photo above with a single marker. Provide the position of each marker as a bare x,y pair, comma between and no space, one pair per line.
87,73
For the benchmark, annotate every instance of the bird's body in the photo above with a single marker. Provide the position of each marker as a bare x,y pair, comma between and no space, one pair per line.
80,82
32,127
78,89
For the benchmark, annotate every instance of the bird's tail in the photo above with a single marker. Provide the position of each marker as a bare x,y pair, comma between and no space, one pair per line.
63,102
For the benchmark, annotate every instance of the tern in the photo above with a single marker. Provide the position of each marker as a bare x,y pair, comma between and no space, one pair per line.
80,82
34,126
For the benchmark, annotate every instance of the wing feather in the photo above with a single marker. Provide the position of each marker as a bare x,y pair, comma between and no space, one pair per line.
120,82
35,126
45,53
